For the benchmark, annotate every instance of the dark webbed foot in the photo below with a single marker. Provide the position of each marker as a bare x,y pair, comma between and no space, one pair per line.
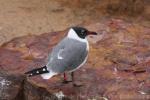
66,81
77,84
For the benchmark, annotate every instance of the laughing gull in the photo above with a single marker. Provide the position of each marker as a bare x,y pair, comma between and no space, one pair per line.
67,56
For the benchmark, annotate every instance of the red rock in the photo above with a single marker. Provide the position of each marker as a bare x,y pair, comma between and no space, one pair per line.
114,69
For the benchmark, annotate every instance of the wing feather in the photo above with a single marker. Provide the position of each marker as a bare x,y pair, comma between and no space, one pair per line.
72,54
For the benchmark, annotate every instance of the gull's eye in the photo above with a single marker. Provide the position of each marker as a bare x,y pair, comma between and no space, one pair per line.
82,31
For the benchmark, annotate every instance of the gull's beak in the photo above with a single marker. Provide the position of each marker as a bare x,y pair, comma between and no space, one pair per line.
91,33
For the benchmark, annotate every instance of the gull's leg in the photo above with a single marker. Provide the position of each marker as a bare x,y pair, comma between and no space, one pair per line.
65,78
73,81
65,81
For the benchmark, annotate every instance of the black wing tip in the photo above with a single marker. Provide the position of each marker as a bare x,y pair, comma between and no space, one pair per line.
29,74
26,73
37,71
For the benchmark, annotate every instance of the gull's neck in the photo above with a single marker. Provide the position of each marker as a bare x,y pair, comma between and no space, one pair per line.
73,35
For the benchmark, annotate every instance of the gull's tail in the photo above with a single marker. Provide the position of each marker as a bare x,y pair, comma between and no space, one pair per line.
37,71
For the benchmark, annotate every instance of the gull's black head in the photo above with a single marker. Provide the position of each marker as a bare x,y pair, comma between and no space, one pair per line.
83,32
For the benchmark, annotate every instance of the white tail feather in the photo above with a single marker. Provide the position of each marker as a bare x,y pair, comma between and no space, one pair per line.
48,75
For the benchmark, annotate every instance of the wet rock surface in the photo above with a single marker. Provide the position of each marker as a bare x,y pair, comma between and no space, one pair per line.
11,86
117,68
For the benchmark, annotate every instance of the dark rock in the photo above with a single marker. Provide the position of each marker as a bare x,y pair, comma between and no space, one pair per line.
11,86
37,92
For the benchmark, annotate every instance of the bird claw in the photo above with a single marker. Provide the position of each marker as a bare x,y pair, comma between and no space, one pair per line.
77,84
66,82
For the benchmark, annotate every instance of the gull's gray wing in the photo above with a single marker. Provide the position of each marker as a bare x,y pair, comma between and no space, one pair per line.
67,55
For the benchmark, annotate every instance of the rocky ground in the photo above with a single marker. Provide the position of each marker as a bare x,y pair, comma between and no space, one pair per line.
119,58
117,68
